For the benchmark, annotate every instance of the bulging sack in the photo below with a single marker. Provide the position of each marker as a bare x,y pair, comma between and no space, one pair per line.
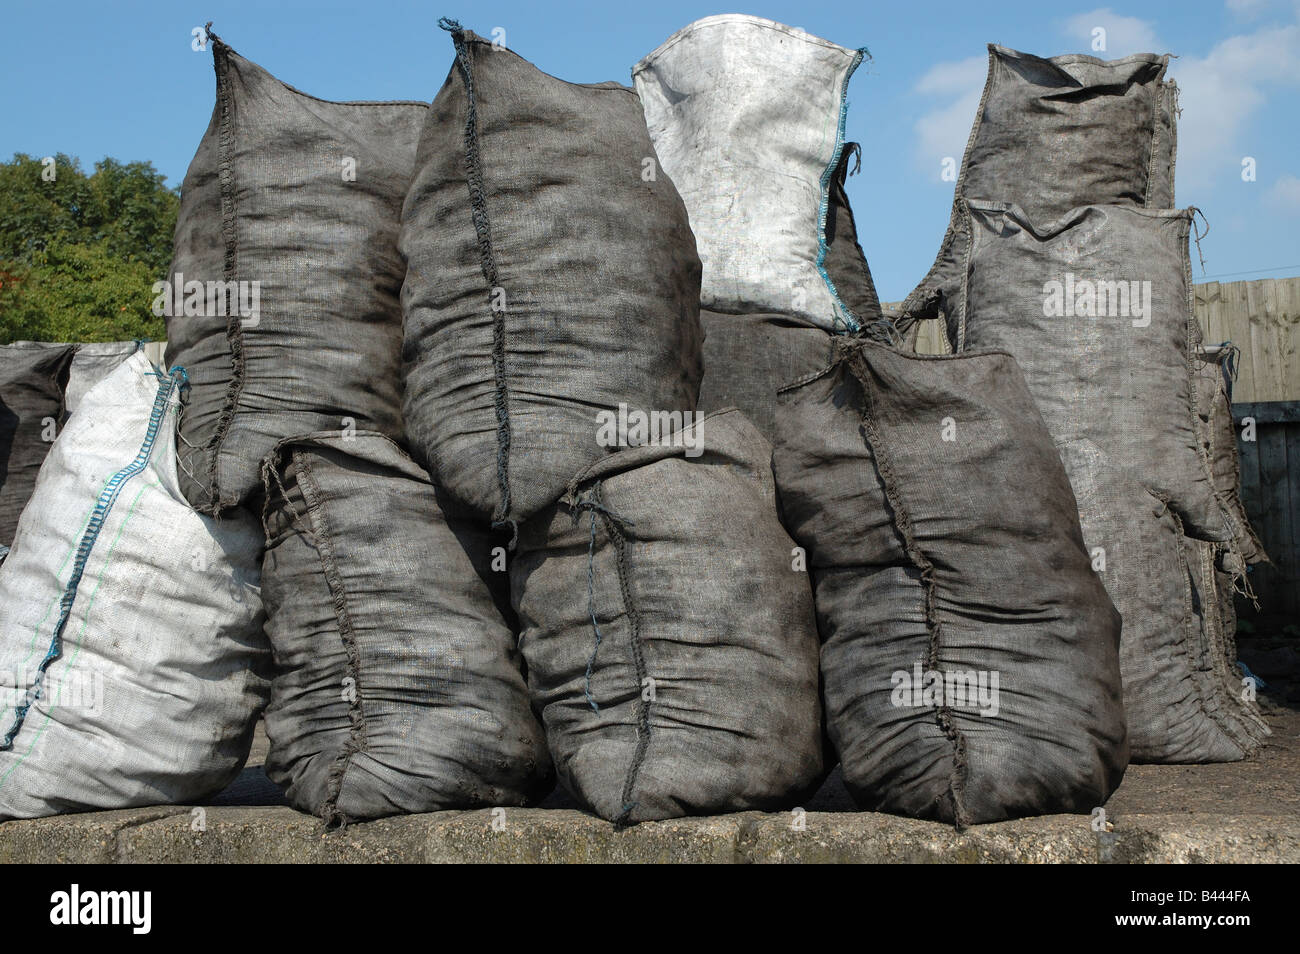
398,686
1051,135
283,297
130,625
668,631
33,376
1171,656
1096,306
747,117
552,274
969,653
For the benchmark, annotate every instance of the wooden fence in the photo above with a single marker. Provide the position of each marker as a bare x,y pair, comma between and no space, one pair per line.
1262,318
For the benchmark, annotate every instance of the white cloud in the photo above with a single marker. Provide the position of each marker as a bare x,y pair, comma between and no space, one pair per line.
1221,93
1124,35
942,132
1286,193
1247,9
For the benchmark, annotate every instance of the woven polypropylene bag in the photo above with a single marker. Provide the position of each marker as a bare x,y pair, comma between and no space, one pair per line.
1096,306
130,625
669,632
747,116
1054,134
1178,706
93,362
969,653
32,380
398,686
294,201
550,276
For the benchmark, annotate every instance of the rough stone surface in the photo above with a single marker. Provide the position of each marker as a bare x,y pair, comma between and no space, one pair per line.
1232,813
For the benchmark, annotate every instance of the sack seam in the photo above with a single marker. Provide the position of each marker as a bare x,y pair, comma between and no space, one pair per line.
324,544
902,521
230,270
107,497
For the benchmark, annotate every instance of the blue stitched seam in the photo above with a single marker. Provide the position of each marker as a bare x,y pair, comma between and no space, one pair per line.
107,497
847,318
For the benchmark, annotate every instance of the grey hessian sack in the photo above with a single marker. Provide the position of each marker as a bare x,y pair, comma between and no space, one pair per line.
670,640
1054,134
131,625
946,554
548,279
1096,306
294,203
398,686
1213,370
33,376
1182,703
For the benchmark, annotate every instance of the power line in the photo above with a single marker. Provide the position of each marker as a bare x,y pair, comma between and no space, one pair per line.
1257,271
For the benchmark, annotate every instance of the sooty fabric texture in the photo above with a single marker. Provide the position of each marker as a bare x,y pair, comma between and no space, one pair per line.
130,625
1178,707
669,633
1097,308
283,297
1054,134
969,653
747,116
1214,369
747,358
398,686
548,280
1214,613
846,263
33,376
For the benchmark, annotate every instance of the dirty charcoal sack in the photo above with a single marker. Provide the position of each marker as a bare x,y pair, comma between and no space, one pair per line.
130,625
33,376
747,117
1054,134
969,654
282,301
1180,703
398,685
1219,571
1213,370
548,279
669,636
1096,306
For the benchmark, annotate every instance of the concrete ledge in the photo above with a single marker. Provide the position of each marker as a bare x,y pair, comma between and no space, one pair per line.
278,834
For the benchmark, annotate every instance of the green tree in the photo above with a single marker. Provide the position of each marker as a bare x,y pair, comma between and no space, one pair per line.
79,253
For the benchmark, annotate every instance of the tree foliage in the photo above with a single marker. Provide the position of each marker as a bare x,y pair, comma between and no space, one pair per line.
79,253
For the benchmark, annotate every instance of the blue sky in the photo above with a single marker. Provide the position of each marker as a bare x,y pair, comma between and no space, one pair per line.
120,79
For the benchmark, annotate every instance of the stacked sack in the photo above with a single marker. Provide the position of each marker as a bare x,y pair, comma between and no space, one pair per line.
130,625
33,381
1063,251
397,685
970,655
739,109
553,349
